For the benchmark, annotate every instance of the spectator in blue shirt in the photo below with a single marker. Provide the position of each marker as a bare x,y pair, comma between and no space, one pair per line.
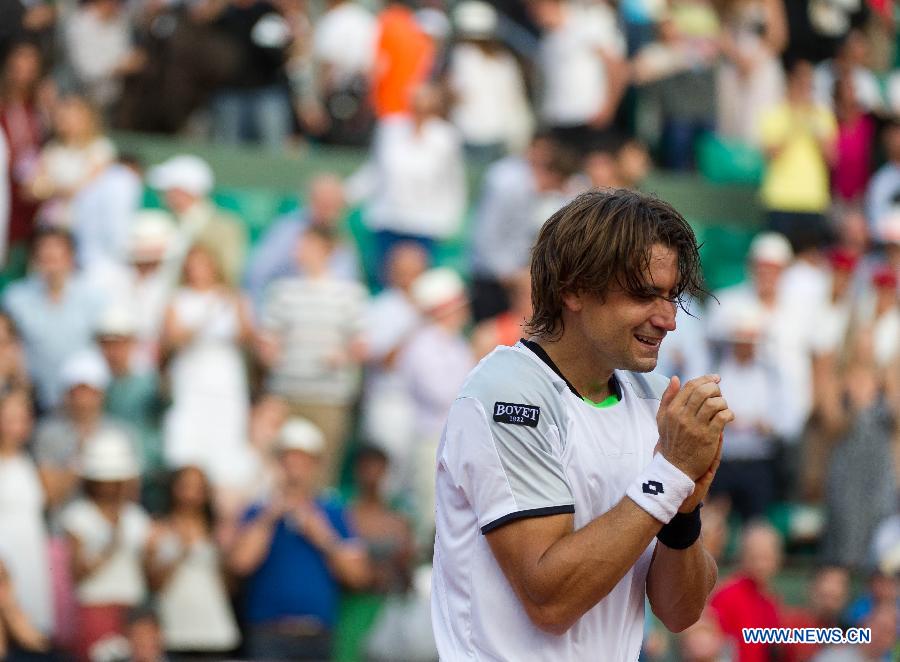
54,310
295,552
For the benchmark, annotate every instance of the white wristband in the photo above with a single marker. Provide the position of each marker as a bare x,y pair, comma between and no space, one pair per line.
661,489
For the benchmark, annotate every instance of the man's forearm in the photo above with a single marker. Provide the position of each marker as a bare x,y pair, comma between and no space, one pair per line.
679,583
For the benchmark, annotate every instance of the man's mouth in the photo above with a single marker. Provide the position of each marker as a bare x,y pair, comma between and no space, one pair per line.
649,341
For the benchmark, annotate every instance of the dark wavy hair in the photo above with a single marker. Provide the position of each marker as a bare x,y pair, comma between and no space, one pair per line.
209,513
604,238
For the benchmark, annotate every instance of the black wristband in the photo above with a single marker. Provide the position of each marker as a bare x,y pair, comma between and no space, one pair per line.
682,530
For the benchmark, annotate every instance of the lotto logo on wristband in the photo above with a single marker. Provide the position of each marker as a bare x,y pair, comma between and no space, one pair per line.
653,487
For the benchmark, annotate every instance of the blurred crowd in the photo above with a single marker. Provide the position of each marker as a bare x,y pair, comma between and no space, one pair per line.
207,445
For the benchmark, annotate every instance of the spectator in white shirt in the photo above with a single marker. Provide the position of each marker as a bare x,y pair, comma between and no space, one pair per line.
756,390
98,44
344,42
24,547
107,534
414,183
433,365
850,62
77,154
392,318
184,566
582,69
490,106
788,328
147,285
884,187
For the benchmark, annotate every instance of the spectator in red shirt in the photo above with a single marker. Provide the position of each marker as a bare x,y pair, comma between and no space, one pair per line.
746,600
828,593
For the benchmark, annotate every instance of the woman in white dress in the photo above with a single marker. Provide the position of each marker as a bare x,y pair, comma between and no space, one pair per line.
206,327
23,533
184,567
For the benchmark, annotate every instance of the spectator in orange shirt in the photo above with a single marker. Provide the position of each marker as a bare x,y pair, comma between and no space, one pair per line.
404,55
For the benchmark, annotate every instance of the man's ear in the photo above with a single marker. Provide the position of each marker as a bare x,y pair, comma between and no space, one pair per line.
572,301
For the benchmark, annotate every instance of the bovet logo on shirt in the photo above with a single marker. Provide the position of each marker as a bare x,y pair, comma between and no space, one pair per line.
508,412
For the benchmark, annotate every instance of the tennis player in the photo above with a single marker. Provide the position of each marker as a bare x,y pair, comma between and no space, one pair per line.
569,476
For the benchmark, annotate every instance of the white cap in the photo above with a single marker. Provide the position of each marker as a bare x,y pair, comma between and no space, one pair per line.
744,323
475,19
85,368
436,288
771,248
433,22
888,227
152,231
186,172
117,320
299,434
109,455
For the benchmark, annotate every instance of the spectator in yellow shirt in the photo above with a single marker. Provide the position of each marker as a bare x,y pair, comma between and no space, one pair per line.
799,139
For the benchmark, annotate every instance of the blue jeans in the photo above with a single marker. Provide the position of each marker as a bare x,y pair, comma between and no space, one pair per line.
679,140
264,643
261,116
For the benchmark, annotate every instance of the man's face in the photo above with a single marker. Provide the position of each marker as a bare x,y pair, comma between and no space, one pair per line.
766,276
179,200
53,258
828,594
300,468
548,14
116,350
625,331
85,399
800,83
326,202
761,555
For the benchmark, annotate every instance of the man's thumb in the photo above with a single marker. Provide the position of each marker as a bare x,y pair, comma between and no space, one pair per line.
670,392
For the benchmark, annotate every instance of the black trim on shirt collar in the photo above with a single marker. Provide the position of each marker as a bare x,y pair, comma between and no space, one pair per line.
543,356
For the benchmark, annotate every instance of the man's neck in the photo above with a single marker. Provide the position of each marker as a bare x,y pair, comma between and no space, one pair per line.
55,287
582,371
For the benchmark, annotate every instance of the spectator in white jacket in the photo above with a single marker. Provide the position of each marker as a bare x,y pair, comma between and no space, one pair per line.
414,183
490,105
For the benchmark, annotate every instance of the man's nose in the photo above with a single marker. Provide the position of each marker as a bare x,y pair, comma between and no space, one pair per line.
664,316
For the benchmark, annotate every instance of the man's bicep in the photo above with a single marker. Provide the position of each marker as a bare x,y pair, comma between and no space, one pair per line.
519,546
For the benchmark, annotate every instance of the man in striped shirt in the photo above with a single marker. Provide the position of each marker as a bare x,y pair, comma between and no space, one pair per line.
312,343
